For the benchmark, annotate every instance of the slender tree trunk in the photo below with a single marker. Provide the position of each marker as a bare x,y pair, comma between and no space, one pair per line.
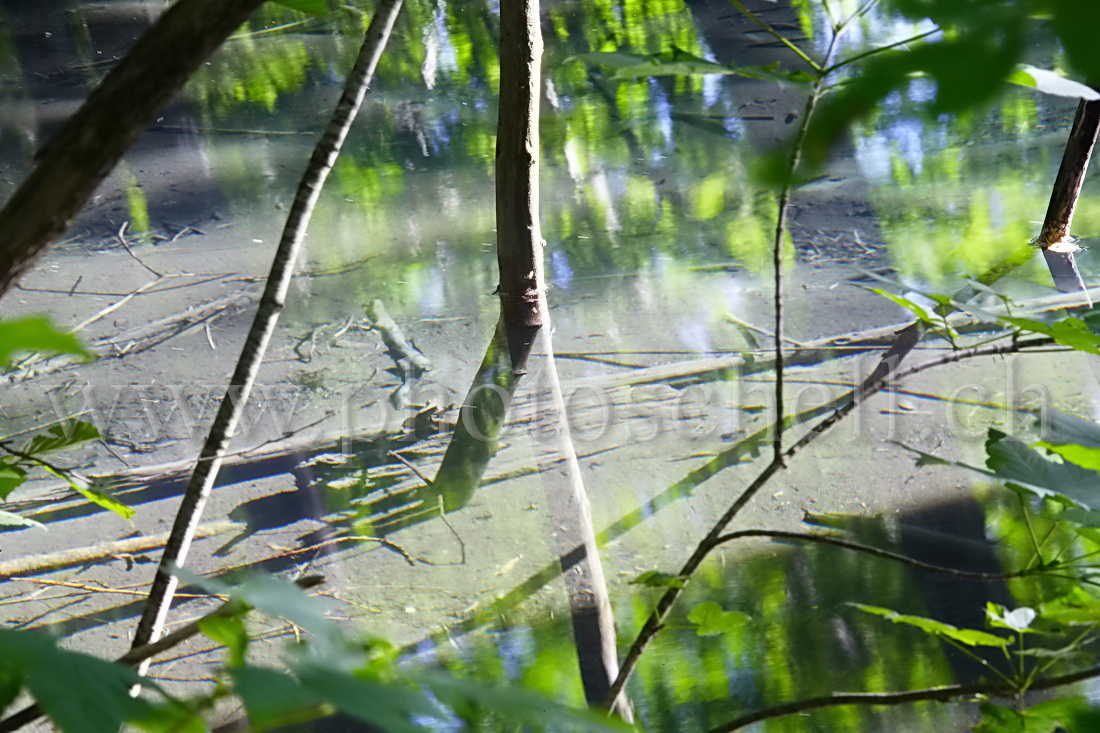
93,140
519,238
271,305
1054,239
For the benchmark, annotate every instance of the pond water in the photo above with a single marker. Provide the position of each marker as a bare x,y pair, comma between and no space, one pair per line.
658,247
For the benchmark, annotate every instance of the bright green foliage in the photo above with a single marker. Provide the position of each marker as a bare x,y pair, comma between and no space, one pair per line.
1044,717
16,463
969,637
710,619
655,579
36,334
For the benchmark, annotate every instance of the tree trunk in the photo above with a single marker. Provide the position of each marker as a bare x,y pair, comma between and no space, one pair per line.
95,138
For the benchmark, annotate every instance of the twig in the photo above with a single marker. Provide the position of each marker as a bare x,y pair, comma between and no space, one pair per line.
427,481
102,550
944,693
781,225
121,236
271,304
144,652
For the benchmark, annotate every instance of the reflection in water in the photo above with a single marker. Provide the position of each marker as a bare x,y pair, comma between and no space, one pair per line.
644,180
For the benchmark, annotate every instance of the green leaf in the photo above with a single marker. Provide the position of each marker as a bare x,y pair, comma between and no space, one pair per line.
95,492
36,334
1069,331
1044,717
228,631
277,597
517,704
1050,82
79,693
387,706
710,619
172,717
310,7
1075,607
1063,428
7,519
271,697
915,308
11,681
969,637
1012,461
12,476
58,438
655,579
1074,21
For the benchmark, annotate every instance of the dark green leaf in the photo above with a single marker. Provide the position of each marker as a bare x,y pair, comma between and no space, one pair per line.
387,706
12,477
1062,428
59,438
35,334
1075,22
1012,461
79,693
270,697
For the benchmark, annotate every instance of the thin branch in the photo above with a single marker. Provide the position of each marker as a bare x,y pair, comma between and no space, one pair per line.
144,652
943,694
778,36
870,550
873,51
271,304
777,245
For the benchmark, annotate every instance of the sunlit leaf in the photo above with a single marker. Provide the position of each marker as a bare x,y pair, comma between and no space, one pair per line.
228,631
710,619
7,519
969,637
655,579
94,492
1069,331
1018,619
1051,82
1076,606
36,334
